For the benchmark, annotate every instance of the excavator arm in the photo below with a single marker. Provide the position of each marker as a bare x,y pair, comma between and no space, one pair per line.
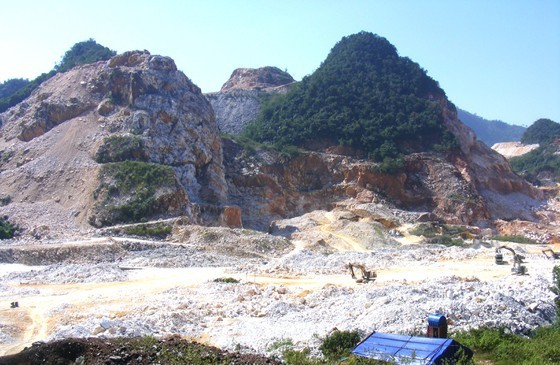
517,268
366,276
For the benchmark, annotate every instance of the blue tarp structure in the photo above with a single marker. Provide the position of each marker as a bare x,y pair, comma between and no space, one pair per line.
410,349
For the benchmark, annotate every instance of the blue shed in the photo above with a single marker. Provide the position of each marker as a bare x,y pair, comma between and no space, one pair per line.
410,349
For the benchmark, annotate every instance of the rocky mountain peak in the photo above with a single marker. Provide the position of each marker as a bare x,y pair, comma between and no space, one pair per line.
257,79
83,140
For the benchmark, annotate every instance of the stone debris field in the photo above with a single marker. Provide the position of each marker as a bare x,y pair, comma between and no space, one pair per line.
108,287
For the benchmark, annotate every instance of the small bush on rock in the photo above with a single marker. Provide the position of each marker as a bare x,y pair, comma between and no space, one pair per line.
121,148
226,280
7,230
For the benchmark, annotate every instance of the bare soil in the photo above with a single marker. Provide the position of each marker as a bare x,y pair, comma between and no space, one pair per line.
96,351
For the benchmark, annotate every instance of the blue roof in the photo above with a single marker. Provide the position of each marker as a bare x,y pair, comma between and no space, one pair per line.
408,349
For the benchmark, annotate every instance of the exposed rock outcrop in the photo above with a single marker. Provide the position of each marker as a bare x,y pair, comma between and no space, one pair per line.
50,142
474,185
239,101
276,187
257,79
235,109
507,195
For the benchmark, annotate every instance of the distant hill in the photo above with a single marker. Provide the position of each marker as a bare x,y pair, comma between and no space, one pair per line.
491,131
14,91
542,165
543,131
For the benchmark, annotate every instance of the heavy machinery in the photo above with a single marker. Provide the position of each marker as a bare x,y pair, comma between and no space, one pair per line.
551,254
366,276
517,268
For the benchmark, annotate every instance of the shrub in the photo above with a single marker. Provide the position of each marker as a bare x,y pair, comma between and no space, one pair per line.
339,344
158,230
226,280
446,241
5,199
7,230
555,288
121,148
130,191
500,347
515,238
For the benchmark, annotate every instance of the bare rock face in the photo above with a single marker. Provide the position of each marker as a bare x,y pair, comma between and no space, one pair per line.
473,186
276,187
507,195
239,101
53,144
257,79
235,109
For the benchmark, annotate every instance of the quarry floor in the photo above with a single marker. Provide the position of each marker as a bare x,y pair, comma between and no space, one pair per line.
187,301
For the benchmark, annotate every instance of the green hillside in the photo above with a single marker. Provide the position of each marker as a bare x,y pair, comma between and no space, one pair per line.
364,95
15,91
542,165
491,131
542,131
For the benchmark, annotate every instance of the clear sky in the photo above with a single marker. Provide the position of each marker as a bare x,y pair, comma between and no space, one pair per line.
499,59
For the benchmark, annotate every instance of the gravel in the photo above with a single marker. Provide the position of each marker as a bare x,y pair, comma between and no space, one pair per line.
253,317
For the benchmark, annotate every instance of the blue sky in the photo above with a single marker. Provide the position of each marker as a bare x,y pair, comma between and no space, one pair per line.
499,59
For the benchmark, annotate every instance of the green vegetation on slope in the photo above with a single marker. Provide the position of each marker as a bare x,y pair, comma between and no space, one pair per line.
502,348
10,87
543,162
7,230
81,53
491,131
363,95
118,148
542,131
128,191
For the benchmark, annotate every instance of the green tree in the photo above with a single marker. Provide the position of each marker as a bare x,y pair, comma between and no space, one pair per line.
11,86
542,131
83,53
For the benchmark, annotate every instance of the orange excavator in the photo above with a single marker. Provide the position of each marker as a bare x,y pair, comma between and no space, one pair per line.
366,275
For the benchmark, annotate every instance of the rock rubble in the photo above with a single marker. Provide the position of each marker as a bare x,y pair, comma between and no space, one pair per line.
253,314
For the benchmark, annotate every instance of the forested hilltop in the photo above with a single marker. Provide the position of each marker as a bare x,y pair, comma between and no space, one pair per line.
542,165
364,95
14,91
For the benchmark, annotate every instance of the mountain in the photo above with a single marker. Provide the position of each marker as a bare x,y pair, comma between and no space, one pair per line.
491,131
124,140
366,101
132,139
363,96
80,54
541,165
542,131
